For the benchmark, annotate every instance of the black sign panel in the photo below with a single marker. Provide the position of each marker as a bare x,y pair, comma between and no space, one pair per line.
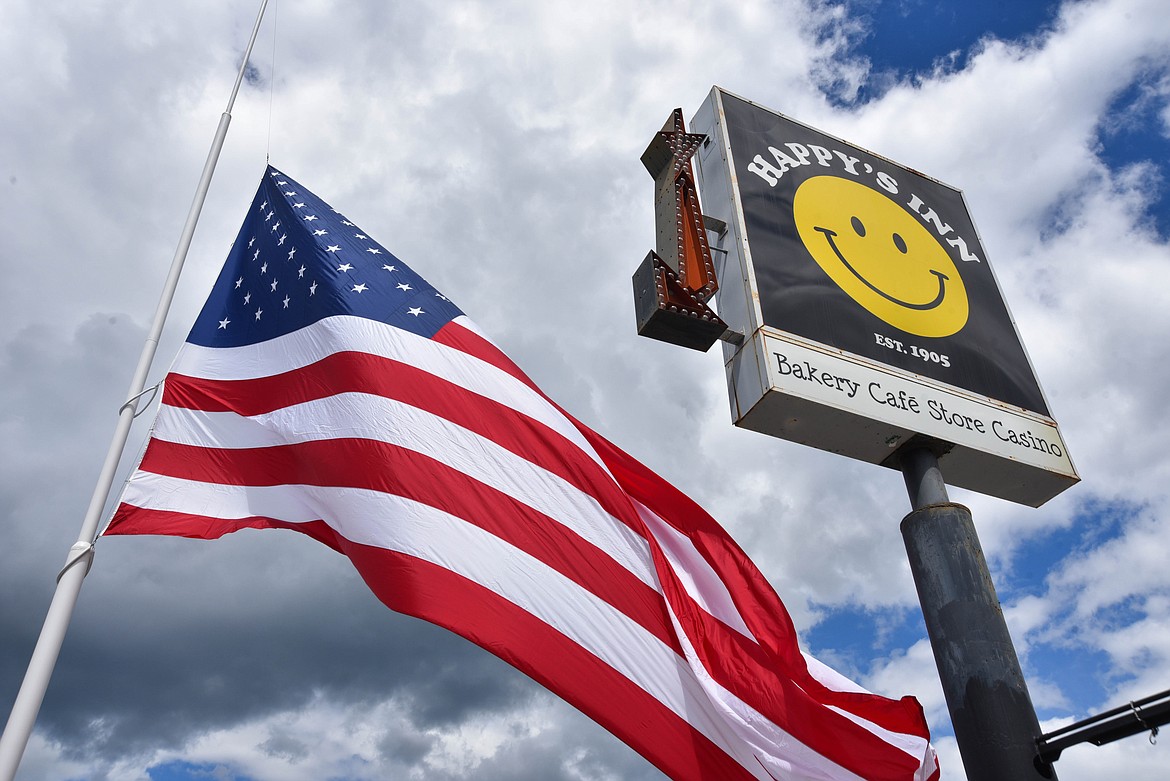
853,251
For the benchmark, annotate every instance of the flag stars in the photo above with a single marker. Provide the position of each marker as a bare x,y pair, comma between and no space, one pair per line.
286,300
247,298
310,217
374,251
252,240
359,236
333,248
320,232
389,268
223,324
256,255
292,252
263,206
301,273
289,194
258,313
346,223
298,205
360,288
414,310
344,267
403,286
283,236
313,289
440,296
270,216
264,268
275,226
274,283
239,282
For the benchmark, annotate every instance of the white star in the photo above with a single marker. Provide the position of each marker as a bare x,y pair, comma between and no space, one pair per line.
258,313
277,225
319,232
344,267
252,240
289,194
389,268
263,205
270,216
276,173
403,286
298,206
283,236
333,248
239,282
313,289
256,255
360,288
374,251
247,298
264,268
292,252
414,310
347,223
223,324
279,184
440,295
301,273
274,283
310,217
286,300
359,236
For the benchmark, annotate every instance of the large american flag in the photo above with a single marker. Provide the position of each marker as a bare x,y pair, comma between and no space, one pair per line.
327,388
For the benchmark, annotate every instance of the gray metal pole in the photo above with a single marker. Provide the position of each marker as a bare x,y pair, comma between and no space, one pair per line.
40,667
995,724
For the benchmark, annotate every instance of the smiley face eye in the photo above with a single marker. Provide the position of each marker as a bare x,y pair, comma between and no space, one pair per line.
900,243
859,227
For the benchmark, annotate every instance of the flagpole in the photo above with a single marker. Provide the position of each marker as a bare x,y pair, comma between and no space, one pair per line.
40,668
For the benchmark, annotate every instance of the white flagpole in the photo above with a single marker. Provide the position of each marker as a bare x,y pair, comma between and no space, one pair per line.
44,658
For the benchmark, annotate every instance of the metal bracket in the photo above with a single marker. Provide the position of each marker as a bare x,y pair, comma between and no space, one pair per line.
133,400
78,552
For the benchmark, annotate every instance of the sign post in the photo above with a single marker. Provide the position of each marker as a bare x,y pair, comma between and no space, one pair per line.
863,318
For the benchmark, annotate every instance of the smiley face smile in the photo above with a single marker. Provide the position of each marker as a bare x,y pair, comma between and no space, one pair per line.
942,278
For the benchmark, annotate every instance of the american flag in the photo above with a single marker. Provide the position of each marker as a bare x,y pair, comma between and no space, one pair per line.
327,388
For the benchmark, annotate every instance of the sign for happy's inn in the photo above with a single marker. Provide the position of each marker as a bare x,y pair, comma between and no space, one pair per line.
871,313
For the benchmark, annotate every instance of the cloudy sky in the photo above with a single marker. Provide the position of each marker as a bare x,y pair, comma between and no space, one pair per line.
494,147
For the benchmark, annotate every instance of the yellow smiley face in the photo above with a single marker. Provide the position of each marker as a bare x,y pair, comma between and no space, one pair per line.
881,256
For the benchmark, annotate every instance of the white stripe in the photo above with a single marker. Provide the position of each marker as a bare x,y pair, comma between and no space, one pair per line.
371,518
918,748
358,334
701,582
357,415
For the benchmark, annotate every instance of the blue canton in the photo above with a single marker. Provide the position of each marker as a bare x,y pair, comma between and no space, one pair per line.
297,261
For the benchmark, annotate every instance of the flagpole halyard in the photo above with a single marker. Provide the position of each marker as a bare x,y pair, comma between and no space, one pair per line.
40,669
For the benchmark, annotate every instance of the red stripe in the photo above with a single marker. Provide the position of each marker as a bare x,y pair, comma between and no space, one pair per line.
467,341
378,466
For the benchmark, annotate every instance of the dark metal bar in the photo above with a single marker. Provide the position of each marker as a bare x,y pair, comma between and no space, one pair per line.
991,711
1144,715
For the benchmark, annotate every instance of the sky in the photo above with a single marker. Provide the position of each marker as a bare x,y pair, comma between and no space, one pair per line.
495,148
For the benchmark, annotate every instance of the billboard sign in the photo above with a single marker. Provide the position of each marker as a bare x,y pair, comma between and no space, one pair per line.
871,312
